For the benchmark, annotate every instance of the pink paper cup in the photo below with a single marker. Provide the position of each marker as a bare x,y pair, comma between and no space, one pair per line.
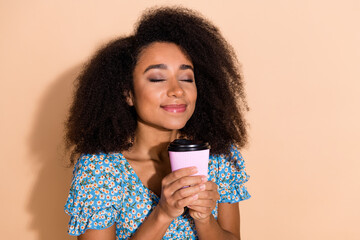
185,153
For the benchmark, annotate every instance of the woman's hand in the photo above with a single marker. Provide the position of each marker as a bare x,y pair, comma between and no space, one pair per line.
179,190
201,208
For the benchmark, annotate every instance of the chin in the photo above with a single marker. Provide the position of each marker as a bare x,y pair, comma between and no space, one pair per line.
174,126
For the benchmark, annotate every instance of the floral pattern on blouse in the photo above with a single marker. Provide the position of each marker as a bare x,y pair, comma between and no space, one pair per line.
106,190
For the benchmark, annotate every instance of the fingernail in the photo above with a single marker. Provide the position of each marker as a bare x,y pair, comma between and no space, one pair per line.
202,187
195,197
194,169
204,179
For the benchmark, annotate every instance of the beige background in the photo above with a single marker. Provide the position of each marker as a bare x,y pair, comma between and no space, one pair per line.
301,65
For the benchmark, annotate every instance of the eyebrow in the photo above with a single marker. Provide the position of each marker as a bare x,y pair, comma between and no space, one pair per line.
163,66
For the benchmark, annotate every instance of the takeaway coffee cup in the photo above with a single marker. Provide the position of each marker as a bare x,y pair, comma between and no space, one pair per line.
185,153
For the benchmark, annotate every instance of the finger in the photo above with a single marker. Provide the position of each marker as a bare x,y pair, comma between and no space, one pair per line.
183,172
186,182
209,185
203,203
210,195
188,191
200,209
186,201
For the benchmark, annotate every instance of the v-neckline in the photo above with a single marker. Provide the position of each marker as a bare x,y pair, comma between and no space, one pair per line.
132,171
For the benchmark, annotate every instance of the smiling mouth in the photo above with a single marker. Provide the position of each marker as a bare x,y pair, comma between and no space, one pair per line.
175,108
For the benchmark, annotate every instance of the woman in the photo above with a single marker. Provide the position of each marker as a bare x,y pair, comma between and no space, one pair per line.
175,77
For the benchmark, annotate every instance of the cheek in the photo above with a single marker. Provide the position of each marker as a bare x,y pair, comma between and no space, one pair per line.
193,95
146,100
142,94
194,98
151,96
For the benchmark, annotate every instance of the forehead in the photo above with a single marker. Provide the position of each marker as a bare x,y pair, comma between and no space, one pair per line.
163,52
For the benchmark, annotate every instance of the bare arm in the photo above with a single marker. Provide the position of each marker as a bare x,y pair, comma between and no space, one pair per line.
104,234
228,224
226,227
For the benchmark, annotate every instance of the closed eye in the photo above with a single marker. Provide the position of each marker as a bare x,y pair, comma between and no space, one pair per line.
188,80
156,80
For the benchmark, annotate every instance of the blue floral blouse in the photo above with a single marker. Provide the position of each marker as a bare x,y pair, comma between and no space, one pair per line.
106,190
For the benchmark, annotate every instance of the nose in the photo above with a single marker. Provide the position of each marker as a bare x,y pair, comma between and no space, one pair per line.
175,90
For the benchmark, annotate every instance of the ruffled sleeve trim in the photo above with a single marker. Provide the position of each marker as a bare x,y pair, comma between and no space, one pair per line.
232,177
98,220
233,194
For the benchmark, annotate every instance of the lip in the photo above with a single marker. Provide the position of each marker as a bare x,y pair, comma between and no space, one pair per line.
175,108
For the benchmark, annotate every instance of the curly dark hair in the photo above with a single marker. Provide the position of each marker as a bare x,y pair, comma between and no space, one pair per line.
100,119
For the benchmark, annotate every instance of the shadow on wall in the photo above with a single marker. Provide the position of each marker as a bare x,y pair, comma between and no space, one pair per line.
51,188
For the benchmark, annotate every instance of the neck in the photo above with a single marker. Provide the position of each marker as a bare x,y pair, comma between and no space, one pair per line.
151,143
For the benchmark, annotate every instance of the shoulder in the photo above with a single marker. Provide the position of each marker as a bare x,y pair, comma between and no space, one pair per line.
100,163
231,157
96,176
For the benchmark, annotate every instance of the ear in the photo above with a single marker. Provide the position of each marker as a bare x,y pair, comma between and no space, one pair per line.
129,98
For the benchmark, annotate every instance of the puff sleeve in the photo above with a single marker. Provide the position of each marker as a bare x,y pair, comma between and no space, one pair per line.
95,196
232,177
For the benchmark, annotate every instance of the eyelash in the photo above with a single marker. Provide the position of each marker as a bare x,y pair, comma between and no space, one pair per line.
161,80
156,80
188,80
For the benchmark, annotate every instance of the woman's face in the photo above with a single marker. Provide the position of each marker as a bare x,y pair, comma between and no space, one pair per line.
164,87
